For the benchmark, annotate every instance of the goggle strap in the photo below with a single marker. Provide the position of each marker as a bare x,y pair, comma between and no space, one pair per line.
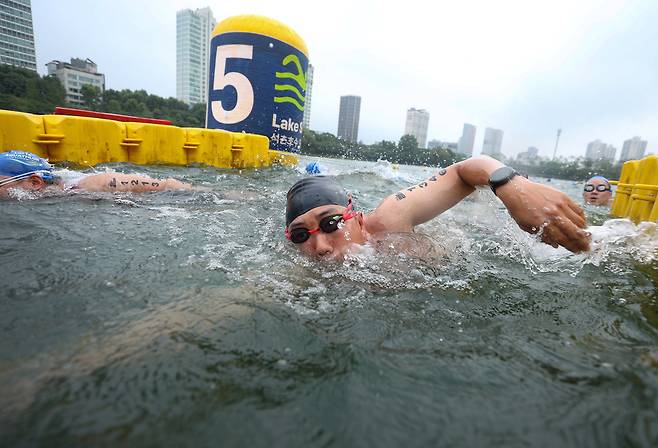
21,177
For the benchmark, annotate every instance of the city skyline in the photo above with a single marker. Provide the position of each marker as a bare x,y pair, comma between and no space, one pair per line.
349,115
73,75
466,142
531,87
633,148
17,34
492,142
416,124
598,150
193,33
306,122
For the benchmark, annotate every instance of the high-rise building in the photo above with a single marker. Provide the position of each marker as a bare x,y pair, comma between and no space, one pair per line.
306,123
598,150
438,144
467,140
416,125
193,32
529,157
434,144
74,75
633,149
17,34
493,140
348,117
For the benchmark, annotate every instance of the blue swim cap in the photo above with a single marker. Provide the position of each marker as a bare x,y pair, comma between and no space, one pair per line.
22,164
313,168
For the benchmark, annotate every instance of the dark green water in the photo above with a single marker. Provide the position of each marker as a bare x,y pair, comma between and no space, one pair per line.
187,319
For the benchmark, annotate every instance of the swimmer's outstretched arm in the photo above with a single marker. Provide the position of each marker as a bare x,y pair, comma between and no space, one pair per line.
137,183
533,206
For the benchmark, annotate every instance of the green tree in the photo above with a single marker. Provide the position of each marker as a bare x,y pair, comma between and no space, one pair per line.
91,96
408,144
25,91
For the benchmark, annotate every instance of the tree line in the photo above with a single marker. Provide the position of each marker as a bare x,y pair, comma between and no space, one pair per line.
579,168
406,151
26,91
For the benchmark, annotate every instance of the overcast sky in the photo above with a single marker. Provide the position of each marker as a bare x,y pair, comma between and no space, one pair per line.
527,67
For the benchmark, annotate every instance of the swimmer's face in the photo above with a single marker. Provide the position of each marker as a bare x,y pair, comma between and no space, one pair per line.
597,197
33,183
332,245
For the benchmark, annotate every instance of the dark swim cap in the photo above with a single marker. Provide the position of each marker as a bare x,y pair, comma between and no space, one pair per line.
312,192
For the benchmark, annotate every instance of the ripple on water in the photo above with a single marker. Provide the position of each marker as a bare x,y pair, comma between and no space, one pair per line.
187,318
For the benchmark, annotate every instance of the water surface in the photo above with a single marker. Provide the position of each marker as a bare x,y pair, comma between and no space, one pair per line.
187,319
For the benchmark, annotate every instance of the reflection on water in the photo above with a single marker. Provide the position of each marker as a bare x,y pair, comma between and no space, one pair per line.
186,318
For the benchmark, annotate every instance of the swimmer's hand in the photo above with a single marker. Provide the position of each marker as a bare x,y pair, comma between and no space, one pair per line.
539,208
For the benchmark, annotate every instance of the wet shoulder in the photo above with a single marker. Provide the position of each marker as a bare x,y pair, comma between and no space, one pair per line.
412,244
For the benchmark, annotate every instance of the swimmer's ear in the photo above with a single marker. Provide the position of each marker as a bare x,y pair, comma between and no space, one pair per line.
36,182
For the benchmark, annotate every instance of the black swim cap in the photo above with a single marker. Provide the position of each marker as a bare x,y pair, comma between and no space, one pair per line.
312,192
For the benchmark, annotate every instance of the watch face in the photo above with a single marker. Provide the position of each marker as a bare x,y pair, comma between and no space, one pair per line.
501,174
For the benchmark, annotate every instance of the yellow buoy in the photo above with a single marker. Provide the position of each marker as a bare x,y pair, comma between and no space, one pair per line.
257,82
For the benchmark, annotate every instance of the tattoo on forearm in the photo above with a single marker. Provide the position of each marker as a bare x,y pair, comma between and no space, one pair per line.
399,196
442,172
133,182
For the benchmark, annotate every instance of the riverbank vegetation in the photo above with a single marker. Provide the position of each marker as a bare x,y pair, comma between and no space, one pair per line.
26,91
406,151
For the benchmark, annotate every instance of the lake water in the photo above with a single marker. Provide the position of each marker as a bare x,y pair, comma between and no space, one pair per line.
187,319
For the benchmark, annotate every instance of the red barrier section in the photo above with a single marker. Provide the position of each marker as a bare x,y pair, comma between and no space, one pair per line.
106,116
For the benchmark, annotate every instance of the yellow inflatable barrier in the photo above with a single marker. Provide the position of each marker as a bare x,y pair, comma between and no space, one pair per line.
83,141
624,188
90,141
204,146
643,195
24,132
637,190
156,143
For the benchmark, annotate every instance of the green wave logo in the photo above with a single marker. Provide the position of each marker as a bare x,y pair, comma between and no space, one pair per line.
292,92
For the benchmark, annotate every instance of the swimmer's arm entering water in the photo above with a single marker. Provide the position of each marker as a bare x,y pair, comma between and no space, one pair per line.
136,183
533,206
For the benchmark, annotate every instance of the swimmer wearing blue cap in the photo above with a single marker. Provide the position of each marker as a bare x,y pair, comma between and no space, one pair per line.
321,220
597,191
26,171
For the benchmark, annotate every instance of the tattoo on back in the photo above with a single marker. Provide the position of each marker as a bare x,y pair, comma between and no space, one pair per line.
113,183
442,172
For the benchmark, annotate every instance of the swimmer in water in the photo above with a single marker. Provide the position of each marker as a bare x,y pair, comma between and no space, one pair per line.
27,171
597,191
321,221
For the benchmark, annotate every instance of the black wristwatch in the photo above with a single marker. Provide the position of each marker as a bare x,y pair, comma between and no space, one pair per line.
501,176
